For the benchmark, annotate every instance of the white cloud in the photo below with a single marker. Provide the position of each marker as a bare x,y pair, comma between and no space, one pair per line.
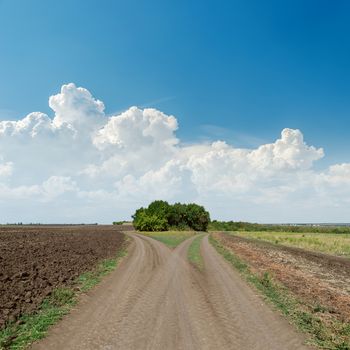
58,185
6,169
136,129
288,153
76,107
338,174
92,164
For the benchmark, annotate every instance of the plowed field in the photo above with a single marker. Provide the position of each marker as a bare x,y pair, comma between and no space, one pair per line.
36,259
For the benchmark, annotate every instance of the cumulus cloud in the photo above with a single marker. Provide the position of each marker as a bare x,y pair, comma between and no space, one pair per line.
92,164
290,152
77,108
136,129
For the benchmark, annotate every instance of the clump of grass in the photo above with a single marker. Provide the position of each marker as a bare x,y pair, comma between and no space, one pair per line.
32,327
335,336
171,238
89,279
194,254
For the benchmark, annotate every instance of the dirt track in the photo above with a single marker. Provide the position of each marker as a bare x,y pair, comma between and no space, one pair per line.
157,300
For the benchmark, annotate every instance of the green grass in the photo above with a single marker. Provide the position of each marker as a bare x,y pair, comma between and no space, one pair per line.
335,336
34,326
171,238
89,279
194,254
330,243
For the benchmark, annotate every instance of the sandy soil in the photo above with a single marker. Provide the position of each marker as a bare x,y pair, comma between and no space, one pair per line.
157,300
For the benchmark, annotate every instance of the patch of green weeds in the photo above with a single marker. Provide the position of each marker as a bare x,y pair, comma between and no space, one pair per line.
194,254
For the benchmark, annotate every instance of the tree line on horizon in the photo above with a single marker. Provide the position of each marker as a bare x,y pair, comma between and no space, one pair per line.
216,225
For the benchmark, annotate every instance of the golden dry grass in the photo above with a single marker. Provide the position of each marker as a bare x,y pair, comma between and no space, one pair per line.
330,243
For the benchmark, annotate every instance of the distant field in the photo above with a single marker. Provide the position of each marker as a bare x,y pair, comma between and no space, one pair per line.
171,238
330,243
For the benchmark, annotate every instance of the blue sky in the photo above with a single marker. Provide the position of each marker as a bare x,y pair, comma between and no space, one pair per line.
249,66
238,71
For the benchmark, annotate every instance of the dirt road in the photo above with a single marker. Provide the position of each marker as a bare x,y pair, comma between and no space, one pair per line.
157,300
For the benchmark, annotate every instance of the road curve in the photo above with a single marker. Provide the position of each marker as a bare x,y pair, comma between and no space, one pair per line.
157,300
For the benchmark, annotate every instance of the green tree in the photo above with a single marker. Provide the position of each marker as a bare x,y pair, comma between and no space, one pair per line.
160,215
159,208
143,221
197,217
177,216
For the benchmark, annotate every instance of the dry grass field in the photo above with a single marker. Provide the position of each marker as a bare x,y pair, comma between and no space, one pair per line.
330,243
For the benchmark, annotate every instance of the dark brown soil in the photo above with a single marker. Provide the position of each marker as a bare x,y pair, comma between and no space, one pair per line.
36,259
317,279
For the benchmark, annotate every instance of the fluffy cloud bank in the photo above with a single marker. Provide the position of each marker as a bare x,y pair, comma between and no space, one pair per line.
80,165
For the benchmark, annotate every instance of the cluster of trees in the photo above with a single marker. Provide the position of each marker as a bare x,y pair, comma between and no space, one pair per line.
247,226
120,222
162,216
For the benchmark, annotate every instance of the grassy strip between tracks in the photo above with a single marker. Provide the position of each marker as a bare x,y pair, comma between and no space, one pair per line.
32,327
336,337
171,238
194,254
